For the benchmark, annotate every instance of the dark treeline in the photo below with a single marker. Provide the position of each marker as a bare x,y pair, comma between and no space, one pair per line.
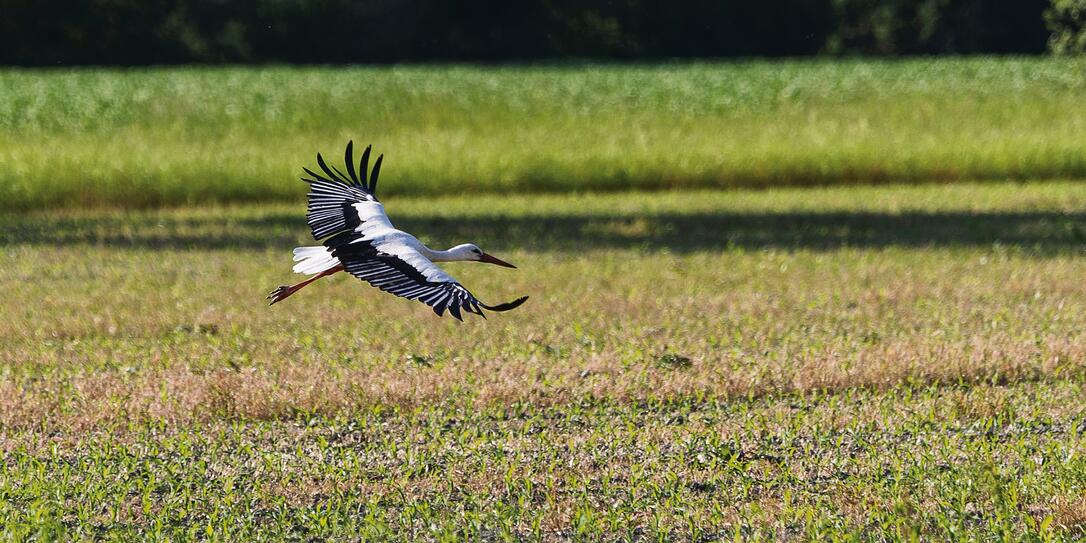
134,32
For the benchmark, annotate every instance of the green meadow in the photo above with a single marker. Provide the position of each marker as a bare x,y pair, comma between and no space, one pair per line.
171,136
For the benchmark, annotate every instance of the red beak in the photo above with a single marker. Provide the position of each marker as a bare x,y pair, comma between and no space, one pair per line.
491,260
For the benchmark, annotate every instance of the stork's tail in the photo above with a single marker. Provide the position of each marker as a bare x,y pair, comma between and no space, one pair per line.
312,260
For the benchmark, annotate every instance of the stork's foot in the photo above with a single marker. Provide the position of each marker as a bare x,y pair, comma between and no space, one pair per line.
280,294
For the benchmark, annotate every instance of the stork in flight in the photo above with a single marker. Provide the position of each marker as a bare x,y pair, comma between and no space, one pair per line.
359,239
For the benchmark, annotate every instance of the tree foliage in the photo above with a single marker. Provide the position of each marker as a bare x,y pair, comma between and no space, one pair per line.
128,32
1067,21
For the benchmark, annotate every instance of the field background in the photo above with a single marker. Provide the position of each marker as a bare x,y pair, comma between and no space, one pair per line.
720,355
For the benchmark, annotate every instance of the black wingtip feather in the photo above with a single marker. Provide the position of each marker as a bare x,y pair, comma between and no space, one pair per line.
376,172
327,170
314,174
507,305
348,158
364,165
342,175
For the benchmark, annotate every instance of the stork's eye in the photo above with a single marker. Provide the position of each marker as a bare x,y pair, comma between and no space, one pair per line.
477,251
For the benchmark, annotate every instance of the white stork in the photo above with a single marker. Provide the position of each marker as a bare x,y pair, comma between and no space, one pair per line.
359,239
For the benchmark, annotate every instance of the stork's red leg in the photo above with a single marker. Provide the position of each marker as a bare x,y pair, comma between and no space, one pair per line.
285,291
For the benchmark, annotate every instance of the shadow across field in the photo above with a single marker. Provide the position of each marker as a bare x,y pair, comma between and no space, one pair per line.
1043,231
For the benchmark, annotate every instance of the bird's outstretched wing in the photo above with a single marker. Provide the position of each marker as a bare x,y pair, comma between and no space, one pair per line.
334,197
407,273
345,215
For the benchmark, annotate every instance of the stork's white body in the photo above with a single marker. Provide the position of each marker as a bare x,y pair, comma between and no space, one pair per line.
378,231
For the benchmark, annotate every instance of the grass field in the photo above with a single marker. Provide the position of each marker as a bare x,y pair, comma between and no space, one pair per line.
875,363
149,137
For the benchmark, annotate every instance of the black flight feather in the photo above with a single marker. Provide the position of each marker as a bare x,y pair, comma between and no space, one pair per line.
315,176
342,175
376,171
327,170
364,165
348,158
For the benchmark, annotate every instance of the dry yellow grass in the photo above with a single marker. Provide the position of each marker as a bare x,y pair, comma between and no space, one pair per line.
905,361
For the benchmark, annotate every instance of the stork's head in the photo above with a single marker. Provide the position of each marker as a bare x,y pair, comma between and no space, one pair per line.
469,251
